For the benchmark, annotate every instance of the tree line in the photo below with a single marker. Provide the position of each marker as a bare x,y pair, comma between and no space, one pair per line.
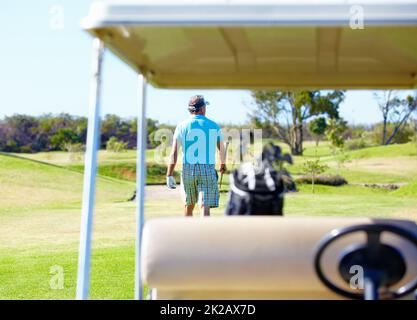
291,117
24,133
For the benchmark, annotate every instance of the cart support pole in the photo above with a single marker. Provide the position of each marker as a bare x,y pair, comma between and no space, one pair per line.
140,184
90,169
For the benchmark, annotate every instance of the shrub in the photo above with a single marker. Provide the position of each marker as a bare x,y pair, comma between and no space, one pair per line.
26,149
327,180
74,147
115,145
75,151
357,144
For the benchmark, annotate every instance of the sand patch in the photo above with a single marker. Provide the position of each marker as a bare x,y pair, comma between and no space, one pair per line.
400,166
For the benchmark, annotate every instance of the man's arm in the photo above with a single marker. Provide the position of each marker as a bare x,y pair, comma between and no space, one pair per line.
222,151
171,165
173,158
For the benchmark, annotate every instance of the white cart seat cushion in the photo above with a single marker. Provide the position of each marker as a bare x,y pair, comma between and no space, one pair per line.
249,253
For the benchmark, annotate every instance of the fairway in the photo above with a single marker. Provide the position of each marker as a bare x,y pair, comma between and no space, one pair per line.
40,209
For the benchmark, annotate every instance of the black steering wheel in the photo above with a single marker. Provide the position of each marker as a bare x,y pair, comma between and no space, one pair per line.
382,263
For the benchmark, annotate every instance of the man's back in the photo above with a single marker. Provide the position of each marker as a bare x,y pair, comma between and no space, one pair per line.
198,136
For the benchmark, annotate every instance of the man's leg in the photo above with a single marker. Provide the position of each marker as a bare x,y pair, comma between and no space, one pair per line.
208,189
205,211
188,210
189,189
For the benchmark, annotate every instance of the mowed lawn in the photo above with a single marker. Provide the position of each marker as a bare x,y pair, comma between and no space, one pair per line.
40,207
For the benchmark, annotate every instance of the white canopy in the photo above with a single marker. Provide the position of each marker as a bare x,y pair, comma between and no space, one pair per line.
262,44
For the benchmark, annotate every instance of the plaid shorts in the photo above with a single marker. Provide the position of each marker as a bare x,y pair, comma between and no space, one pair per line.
199,183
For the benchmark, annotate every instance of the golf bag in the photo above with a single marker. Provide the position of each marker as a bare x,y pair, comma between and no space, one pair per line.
259,189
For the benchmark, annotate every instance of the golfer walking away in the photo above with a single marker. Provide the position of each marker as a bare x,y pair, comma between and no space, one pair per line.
199,138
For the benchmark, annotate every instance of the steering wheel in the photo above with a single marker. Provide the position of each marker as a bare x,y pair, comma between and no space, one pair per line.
383,264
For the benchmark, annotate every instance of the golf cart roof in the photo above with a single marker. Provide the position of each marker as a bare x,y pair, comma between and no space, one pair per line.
262,44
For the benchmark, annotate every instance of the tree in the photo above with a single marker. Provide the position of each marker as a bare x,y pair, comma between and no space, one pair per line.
64,136
151,127
402,136
415,131
335,134
403,113
318,128
387,103
394,111
313,168
286,112
113,126
335,130
20,133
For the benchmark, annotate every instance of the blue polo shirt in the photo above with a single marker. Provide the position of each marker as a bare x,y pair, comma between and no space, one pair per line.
198,136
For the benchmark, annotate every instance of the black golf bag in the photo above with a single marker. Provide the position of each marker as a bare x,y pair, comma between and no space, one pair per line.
259,189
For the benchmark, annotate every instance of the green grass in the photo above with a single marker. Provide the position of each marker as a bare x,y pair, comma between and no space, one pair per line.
390,151
30,185
408,190
40,206
380,165
27,275
363,176
350,201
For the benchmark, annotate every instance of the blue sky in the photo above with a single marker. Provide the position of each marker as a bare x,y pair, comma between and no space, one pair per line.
44,69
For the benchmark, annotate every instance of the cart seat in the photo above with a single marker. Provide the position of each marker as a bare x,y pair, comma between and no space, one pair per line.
249,257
